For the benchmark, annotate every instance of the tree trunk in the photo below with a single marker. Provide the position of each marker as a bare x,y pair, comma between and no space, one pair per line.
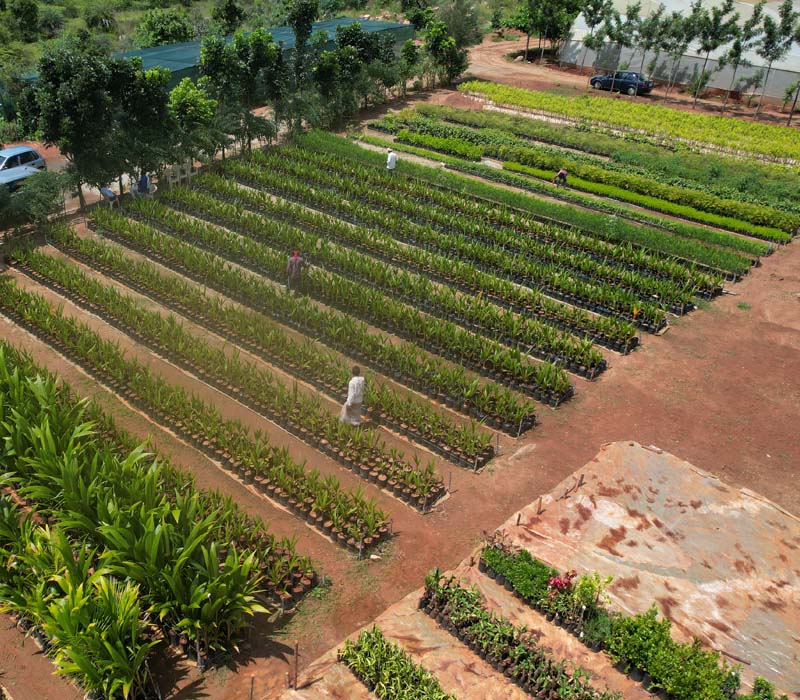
527,44
644,57
586,50
700,81
764,89
676,64
730,88
81,198
614,75
630,60
794,104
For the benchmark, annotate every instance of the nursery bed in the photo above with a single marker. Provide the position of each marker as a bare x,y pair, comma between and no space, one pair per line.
732,580
723,563
459,670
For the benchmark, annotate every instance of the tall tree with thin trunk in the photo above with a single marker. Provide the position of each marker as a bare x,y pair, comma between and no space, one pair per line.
650,32
554,20
301,15
776,40
747,35
594,12
796,40
622,32
680,32
73,105
631,28
525,19
714,29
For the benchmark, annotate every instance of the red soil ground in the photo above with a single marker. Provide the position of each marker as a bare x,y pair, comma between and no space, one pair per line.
721,389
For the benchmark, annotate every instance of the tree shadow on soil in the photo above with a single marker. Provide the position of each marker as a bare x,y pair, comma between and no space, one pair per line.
173,671
396,103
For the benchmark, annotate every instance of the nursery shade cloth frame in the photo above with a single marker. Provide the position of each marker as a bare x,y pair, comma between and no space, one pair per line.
183,60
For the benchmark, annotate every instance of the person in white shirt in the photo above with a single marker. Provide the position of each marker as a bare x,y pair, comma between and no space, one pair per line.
391,161
351,411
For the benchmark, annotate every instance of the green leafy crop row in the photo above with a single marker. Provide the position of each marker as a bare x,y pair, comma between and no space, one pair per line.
733,135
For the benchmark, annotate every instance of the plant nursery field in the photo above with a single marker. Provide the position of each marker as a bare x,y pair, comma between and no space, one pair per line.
505,329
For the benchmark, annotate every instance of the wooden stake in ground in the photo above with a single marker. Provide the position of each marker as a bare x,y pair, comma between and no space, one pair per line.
296,655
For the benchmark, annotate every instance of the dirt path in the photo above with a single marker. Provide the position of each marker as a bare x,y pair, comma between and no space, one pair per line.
25,671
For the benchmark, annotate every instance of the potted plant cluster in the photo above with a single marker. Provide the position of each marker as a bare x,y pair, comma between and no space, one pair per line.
412,281
640,645
237,237
386,670
495,405
464,444
418,208
435,252
229,442
106,542
303,416
510,650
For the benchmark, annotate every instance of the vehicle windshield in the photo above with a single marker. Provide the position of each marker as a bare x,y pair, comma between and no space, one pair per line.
2,161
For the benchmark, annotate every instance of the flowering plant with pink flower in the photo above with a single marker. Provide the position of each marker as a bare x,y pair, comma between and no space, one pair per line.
561,584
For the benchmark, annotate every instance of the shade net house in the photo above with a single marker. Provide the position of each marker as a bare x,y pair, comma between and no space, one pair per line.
183,60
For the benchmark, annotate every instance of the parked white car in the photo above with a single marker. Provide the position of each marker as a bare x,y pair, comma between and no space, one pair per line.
13,178
18,163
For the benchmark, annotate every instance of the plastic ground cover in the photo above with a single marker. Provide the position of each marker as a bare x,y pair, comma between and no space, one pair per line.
723,563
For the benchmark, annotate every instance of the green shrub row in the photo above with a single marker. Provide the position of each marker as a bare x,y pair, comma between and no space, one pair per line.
476,312
758,220
484,222
404,362
302,358
504,146
445,145
535,261
354,515
766,233
545,381
732,135
510,649
640,642
724,176
387,670
246,381
717,250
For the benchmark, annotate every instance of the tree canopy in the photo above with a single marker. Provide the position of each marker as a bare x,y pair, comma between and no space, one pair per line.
163,26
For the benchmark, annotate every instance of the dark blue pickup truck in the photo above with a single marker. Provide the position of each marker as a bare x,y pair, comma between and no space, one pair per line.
625,81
